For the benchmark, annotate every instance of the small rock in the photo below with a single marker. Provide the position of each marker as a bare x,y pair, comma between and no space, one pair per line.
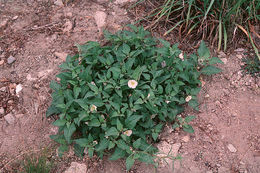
15,17
44,73
30,78
10,60
68,26
58,3
231,148
209,171
221,54
239,50
218,103
76,168
100,18
224,60
2,62
186,139
239,56
9,118
61,55
3,89
3,23
122,2
19,116
207,96
18,89
2,111
69,14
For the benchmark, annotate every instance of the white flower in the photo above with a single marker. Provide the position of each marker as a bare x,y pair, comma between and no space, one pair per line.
128,133
148,96
93,83
95,142
86,123
132,84
167,101
181,56
93,108
188,98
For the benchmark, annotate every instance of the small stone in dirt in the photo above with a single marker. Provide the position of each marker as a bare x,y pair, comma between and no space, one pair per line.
239,50
2,111
19,115
30,78
207,96
15,17
239,56
76,168
221,54
61,55
58,3
3,89
186,139
231,148
224,60
100,18
10,60
9,118
3,23
2,62
68,26
18,89
121,2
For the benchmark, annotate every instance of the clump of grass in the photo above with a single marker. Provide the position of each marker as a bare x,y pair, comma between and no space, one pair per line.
216,21
36,164
251,66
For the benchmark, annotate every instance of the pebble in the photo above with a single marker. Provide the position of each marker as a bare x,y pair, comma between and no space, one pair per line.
18,88
2,111
76,168
3,23
2,62
186,139
224,60
240,50
9,118
122,2
58,3
3,89
10,60
221,54
15,17
239,56
61,55
231,148
100,18
68,26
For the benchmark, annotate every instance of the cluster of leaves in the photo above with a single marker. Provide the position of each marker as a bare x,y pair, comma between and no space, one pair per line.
251,66
100,112
34,164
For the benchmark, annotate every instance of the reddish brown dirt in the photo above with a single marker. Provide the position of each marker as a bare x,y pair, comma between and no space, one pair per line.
229,102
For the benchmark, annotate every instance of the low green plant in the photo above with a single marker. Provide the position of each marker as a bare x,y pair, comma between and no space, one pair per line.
36,164
115,99
251,66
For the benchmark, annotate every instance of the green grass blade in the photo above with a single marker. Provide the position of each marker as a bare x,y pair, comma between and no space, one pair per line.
210,5
219,34
225,37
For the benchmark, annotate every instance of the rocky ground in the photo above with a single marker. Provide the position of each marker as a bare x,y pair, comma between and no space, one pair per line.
36,36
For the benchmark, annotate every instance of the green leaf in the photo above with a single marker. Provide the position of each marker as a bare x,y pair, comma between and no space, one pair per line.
126,49
118,153
59,122
93,88
210,70
215,60
82,104
94,123
129,63
83,142
137,143
139,101
188,128
90,152
52,110
119,125
62,149
194,104
54,85
129,163
132,120
68,131
111,145
112,132
59,139
175,125
102,145
76,91
78,150
203,51
189,118
155,136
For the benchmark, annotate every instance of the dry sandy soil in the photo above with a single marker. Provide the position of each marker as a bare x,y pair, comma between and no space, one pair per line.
36,36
